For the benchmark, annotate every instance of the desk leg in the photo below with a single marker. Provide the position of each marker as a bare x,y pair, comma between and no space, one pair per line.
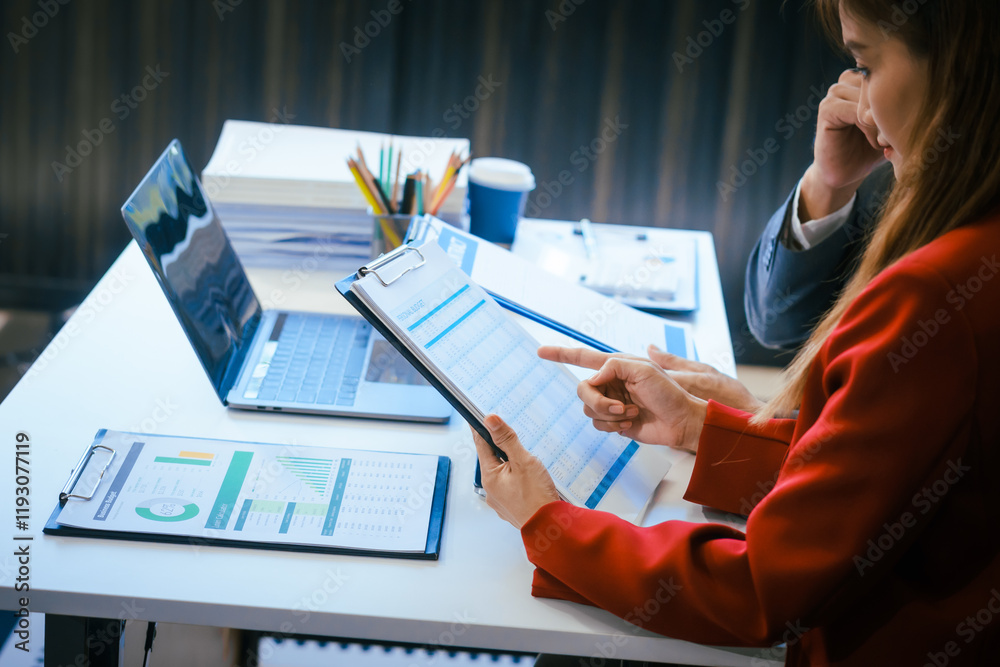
74,640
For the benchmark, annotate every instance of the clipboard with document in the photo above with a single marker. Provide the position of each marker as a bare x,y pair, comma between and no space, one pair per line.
156,488
483,362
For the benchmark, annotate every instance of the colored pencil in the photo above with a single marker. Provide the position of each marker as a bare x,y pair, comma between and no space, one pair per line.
362,186
381,165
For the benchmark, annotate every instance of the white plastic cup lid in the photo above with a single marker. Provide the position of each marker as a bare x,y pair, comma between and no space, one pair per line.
501,173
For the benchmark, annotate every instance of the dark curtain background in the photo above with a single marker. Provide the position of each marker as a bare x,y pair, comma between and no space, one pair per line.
694,95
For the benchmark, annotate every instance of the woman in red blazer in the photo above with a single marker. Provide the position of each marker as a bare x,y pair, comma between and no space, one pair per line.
872,532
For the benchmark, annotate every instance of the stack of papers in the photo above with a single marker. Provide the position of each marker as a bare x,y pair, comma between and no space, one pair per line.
285,194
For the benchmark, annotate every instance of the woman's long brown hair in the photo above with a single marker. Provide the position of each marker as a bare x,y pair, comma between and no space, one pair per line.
952,176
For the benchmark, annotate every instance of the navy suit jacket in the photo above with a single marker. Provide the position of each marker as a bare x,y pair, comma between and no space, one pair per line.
787,291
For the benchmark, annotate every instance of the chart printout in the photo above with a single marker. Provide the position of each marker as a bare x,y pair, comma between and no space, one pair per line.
494,362
259,493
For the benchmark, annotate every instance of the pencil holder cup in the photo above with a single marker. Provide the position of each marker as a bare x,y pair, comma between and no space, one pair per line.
498,191
388,232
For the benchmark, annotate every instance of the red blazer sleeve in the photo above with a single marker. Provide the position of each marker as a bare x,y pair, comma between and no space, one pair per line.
870,434
737,463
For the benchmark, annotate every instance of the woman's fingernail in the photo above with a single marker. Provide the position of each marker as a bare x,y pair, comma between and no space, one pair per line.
616,409
492,422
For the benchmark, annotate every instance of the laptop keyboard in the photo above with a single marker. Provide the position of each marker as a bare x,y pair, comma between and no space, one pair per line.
313,359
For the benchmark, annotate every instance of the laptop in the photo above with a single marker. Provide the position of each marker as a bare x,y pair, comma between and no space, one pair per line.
263,359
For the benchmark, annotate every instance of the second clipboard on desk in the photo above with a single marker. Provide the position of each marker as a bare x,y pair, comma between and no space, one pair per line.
483,362
645,267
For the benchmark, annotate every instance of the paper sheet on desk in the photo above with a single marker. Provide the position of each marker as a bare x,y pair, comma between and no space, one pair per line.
595,316
644,267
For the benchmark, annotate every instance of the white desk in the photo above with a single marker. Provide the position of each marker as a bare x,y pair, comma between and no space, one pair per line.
122,362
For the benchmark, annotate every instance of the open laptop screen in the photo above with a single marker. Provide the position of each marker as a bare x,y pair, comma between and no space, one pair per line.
196,266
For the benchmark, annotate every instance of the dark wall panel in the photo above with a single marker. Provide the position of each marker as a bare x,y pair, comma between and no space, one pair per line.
554,80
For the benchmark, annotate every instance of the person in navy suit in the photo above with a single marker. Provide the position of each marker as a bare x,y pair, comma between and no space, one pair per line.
811,244
809,247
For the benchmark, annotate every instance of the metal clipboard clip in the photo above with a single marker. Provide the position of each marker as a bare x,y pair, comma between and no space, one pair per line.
390,257
66,494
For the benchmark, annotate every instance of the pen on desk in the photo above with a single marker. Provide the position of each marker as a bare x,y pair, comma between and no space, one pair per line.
589,244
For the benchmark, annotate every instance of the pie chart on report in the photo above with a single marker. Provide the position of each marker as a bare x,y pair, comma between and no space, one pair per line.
166,509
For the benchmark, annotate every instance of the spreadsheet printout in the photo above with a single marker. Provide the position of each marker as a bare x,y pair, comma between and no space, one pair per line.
493,362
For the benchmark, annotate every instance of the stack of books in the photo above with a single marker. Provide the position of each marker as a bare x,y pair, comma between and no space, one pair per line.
286,196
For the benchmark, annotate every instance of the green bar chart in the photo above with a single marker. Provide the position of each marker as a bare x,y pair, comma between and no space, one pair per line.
314,473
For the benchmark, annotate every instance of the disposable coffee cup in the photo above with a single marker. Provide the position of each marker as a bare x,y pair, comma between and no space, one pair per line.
498,191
